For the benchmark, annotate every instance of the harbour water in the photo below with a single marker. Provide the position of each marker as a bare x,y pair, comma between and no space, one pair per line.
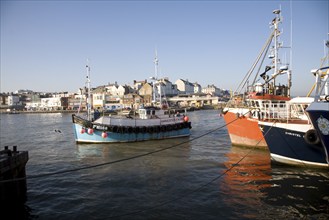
199,177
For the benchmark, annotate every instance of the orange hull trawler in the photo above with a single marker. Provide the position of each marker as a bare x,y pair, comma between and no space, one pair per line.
264,98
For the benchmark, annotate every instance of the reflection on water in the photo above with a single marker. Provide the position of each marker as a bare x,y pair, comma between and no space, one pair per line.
133,149
253,189
299,192
259,189
247,177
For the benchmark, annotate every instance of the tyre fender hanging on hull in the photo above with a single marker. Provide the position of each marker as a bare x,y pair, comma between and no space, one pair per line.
311,137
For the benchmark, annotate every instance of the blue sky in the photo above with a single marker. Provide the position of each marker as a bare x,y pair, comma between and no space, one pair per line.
45,44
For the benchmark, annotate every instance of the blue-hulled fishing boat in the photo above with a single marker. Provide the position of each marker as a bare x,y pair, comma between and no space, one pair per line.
319,109
148,124
290,138
294,139
144,124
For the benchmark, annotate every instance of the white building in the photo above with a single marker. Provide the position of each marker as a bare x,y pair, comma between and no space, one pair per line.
138,84
98,100
33,106
212,90
197,88
51,103
167,88
13,100
184,86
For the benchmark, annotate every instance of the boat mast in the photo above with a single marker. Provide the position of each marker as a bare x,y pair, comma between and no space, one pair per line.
291,48
276,22
156,64
88,93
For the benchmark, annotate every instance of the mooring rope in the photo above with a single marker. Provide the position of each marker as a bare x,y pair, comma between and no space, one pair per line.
194,190
119,160
150,153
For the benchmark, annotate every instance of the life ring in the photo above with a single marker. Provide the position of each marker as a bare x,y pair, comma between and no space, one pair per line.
311,137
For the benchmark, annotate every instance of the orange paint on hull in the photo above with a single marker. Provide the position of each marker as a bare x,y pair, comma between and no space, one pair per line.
244,131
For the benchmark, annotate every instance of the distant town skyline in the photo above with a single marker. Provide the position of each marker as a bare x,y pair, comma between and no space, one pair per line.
27,90
45,44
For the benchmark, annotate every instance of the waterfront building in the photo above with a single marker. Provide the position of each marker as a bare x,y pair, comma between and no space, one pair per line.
146,91
132,100
194,100
212,90
13,100
113,103
184,86
61,94
98,96
197,88
111,96
76,103
98,100
167,88
122,90
54,103
138,84
33,106
3,100
118,90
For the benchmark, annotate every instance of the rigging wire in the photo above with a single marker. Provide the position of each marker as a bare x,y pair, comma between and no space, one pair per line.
244,81
252,68
152,152
261,63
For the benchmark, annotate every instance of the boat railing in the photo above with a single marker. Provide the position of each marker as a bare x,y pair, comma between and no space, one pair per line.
284,112
270,113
